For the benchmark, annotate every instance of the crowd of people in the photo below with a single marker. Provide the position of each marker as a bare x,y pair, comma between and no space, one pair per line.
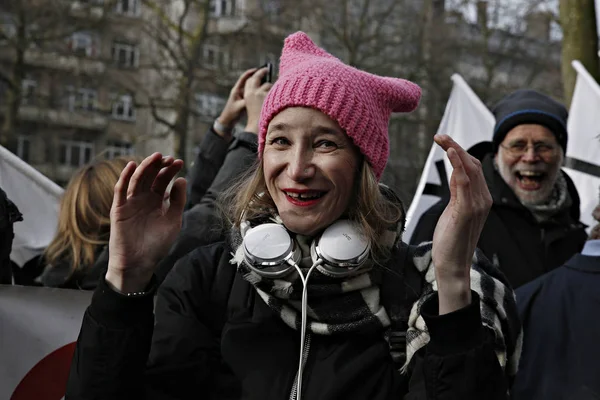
277,268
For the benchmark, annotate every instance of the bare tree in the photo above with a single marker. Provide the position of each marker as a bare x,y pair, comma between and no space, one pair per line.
30,31
580,41
195,45
509,46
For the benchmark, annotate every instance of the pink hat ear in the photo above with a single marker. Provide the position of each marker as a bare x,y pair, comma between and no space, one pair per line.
297,48
398,95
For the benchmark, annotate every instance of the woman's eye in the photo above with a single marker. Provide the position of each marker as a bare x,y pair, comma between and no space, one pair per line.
279,141
326,144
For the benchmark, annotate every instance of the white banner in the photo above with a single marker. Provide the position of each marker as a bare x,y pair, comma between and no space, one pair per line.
37,198
38,330
468,121
583,149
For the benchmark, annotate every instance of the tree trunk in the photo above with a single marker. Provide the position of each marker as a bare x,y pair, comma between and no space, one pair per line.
13,98
580,41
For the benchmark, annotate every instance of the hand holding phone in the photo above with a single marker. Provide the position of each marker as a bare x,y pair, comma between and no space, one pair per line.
269,75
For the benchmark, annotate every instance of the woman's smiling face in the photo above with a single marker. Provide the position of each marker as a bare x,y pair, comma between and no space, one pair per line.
310,169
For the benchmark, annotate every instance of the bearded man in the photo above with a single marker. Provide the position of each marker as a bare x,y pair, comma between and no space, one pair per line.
533,226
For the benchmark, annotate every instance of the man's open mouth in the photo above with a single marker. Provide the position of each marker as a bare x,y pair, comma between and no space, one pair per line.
530,180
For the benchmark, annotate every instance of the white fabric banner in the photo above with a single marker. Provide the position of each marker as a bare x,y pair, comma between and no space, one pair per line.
583,149
38,199
468,121
38,330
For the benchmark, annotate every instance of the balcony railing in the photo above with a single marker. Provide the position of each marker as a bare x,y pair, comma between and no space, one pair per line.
64,62
75,119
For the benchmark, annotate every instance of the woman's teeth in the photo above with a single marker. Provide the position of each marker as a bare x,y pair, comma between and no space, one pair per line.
305,196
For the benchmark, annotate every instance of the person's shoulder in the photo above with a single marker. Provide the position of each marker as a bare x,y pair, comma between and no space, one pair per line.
549,280
202,264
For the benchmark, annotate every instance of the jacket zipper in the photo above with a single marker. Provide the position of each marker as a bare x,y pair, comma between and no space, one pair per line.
304,358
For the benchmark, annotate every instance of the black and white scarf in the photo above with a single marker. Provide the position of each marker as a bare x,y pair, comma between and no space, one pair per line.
334,305
353,304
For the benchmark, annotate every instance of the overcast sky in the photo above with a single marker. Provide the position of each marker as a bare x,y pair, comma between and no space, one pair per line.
551,4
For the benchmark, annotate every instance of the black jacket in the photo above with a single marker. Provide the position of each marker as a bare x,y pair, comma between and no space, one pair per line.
213,337
560,342
511,238
37,273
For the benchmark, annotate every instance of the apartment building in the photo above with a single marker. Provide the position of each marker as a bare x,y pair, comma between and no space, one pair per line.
74,105
85,93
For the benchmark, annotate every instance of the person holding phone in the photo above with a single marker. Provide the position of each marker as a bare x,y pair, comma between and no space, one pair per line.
222,158
312,295
245,99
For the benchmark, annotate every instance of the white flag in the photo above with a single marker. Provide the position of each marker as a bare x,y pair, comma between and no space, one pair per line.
583,149
38,330
469,122
37,198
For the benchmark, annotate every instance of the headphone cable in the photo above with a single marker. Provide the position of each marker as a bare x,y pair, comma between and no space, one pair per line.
303,323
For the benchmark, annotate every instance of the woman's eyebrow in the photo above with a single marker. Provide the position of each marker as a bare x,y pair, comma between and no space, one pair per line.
280,126
326,130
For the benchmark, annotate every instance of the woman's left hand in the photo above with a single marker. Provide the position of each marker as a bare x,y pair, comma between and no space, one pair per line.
458,229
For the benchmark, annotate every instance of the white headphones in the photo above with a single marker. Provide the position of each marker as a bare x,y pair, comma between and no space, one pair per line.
340,250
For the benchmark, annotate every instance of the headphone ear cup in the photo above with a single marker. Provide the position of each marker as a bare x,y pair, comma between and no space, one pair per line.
269,250
342,248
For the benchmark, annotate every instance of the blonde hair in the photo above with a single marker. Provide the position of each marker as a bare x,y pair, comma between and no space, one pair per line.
370,208
84,216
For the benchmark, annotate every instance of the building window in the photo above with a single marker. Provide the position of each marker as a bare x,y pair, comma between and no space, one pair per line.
116,149
271,8
28,92
8,28
223,8
209,105
123,108
75,153
125,55
215,57
23,145
128,7
82,44
81,99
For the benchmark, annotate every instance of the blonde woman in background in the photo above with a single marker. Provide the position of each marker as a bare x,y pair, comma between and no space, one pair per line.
77,255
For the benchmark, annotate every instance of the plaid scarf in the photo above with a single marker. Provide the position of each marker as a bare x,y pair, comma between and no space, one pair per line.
497,305
352,304
334,305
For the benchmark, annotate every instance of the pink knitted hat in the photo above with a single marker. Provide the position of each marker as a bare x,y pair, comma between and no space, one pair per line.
360,102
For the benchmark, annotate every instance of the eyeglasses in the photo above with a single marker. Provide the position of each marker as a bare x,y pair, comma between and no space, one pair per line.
542,149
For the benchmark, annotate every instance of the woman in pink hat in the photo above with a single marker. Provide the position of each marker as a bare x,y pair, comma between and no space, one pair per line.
313,295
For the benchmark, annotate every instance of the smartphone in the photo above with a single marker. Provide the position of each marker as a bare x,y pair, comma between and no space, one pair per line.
269,75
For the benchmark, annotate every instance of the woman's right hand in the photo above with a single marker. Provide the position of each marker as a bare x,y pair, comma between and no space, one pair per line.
144,220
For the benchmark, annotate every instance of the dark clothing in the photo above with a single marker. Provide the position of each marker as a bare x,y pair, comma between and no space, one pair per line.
512,238
213,170
215,338
9,214
203,223
36,273
560,345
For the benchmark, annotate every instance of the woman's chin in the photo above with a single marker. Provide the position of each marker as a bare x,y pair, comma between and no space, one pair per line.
301,226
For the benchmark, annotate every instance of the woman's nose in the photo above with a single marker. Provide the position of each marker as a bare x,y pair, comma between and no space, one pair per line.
300,166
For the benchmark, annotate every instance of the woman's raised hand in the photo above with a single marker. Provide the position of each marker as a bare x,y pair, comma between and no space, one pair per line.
458,229
144,220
